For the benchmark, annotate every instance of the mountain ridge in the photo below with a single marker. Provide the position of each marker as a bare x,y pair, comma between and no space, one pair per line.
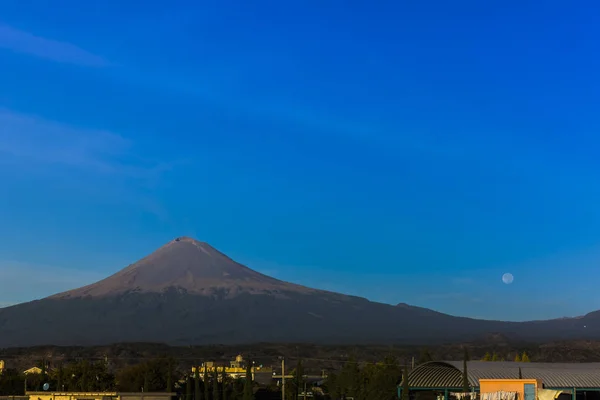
188,293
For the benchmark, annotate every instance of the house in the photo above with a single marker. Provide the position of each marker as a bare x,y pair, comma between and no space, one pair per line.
32,371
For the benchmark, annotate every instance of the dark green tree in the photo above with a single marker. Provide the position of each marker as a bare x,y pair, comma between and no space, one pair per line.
197,392
405,386
169,388
465,377
298,381
215,383
188,388
12,383
424,357
146,387
224,384
85,370
34,382
152,375
59,377
44,368
205,382
248,391
349,379
237,389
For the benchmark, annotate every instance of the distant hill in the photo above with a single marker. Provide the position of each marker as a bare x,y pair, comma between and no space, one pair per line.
187,292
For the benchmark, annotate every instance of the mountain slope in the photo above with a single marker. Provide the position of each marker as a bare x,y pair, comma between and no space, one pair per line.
188,265
189,293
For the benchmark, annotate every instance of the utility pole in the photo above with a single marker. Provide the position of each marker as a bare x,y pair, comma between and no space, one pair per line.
304,389
282,378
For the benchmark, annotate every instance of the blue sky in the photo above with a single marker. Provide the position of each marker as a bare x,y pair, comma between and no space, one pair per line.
402,151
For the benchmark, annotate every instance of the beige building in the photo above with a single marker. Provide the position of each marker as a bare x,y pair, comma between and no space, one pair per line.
100,396
236,368
34,370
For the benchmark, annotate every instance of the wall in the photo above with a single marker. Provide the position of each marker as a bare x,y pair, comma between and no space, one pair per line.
99,396
71,396
508,385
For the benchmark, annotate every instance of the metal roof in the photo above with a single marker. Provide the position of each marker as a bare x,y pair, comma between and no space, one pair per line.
448,374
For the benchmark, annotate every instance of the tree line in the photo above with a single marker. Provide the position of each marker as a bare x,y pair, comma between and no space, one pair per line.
519,357
366,381
158,375
357,380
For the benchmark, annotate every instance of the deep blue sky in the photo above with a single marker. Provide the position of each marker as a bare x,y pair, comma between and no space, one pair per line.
406,151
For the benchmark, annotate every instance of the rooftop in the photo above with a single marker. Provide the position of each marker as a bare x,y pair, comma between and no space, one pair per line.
448,374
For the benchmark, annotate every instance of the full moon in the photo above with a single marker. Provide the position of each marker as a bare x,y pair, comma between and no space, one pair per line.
508,278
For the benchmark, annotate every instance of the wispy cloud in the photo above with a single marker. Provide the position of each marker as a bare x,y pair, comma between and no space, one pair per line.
450,296
26,43
30,139
41,281
112,167
463,281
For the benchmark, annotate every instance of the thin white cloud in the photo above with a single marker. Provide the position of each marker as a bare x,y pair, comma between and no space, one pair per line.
103,164
37,140
450,296
21,282
34,140
463,281
26,43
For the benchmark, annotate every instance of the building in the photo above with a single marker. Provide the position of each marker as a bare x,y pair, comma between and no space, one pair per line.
34,370
236,368
238,362
505,380
99,396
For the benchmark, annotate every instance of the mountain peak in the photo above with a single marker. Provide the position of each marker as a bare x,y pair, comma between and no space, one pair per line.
187,239
188,265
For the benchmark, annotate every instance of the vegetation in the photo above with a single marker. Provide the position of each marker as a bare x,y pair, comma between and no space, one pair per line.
361,377
367,381
205,385
224,384
215,384
405,385
197,393
11,383
248,390
465,377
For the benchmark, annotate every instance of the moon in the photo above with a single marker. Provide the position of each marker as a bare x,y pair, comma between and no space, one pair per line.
508,278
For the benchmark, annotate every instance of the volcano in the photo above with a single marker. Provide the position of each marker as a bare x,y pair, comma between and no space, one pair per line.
189,293
189,266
